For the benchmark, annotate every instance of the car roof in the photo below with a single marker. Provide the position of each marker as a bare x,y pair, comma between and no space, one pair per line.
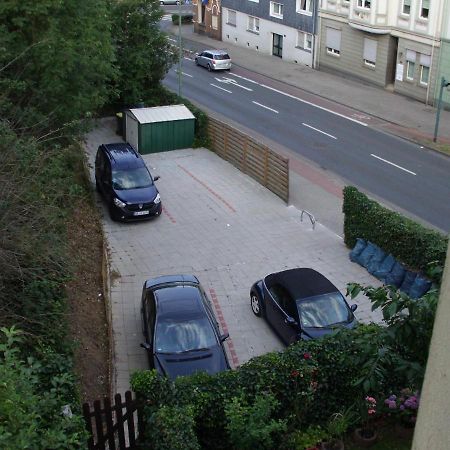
301,282
179,301
216,52
123,156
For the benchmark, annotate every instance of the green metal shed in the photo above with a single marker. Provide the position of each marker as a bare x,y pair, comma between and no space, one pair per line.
158,129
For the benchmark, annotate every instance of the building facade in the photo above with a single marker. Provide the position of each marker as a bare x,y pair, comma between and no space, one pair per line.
394,44
444,58
283,28
207,18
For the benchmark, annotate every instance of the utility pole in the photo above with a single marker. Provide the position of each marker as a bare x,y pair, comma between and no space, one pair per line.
444,83
180,57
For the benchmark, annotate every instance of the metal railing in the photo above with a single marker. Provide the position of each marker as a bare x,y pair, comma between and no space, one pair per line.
311,217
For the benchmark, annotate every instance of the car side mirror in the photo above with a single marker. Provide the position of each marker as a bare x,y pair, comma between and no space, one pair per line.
290,321
224,337
146,346
156,178
354,307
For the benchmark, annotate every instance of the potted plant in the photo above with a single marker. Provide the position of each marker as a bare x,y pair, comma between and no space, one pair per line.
366,435
309,439
403,407
337,426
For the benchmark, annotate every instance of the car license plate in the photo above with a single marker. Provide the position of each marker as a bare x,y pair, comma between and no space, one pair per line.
140,213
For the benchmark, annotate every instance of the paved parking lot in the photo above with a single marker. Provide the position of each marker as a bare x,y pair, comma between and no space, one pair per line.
226,229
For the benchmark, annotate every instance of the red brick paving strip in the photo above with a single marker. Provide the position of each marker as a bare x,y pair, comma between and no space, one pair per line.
208,189
167,213
224,327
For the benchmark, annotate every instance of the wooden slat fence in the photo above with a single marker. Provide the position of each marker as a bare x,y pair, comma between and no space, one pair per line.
111,428
251,157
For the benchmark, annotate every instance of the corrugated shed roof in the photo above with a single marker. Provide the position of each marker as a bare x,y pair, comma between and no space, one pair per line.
162,114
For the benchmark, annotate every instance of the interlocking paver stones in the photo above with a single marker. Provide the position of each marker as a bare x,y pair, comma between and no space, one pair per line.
226,229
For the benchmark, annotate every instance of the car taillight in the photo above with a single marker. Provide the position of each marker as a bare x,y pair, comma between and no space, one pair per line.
214,61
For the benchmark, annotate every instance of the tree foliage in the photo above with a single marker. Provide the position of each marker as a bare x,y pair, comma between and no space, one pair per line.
144,54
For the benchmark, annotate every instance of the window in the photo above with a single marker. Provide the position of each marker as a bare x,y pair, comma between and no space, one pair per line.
333,41
364,3
276,10
304,40
425,62
370,52
214,22
406,7
410,64
253,24
424,9
304,7
231,17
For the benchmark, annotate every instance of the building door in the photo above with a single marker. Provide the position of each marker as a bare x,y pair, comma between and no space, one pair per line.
277,48
392,61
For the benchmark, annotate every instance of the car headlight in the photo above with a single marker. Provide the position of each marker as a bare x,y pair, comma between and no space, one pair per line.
119,203
157,199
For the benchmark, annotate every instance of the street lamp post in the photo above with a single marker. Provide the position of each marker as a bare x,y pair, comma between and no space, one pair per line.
180,57
444,83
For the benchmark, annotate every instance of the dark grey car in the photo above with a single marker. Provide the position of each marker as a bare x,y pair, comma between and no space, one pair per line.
214,60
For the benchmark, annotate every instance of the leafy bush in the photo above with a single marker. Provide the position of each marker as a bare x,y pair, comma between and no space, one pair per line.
185,18
31,417
408,241
252,426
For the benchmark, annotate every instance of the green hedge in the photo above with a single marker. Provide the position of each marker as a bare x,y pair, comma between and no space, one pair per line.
308,382
408,241
185,18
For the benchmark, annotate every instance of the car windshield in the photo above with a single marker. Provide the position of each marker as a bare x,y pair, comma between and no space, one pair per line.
221,56
184,336
131,179
323,311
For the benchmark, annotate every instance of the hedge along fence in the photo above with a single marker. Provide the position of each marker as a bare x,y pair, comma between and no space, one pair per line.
310,381
408,241
185,18
255,159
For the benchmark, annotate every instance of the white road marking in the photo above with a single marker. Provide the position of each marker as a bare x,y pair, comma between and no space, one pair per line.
264,106
301,100
320,131
233,82
223,89
392,164
188,75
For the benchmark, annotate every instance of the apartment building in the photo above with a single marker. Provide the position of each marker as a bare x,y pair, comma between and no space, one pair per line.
207,18
283,28
444,58
392,43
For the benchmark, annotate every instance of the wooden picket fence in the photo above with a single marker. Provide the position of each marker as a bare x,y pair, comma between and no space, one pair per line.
251,157
109,426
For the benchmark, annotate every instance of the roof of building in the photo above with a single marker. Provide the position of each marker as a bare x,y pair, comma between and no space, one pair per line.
162,114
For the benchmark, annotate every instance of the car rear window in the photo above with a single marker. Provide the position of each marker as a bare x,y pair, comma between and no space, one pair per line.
222,56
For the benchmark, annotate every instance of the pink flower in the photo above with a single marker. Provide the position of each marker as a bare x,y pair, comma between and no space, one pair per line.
294,373
307,355
371,412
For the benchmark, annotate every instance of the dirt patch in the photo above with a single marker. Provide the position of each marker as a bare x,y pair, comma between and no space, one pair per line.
87,307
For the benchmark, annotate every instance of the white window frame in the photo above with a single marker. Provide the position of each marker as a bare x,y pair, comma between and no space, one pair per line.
424,61
412,65
422,9
253,24
369,62
424,83
366,4
230,12
332,50
304,7
279,7
407,4
302,40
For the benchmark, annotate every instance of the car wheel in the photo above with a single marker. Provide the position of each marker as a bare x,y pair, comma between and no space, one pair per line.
113,214
97,186
209,67
255,303
196,61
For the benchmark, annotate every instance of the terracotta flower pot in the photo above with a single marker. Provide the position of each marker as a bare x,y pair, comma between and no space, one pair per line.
365,437
333,444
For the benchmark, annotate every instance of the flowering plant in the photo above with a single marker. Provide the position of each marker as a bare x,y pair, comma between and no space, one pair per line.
368,414
404,406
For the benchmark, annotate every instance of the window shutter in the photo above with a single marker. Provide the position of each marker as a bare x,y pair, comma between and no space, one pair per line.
426,4
334,38
370,49
410,55
425,60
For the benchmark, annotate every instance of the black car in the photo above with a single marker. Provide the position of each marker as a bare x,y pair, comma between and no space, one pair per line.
123,179
301,304
181,332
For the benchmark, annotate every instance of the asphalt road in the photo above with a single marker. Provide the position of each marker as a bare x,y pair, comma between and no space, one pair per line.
400,172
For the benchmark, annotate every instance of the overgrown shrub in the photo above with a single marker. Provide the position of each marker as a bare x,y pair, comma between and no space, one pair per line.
408,241
185,18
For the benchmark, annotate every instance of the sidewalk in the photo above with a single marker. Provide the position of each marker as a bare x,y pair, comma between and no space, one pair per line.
401,116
